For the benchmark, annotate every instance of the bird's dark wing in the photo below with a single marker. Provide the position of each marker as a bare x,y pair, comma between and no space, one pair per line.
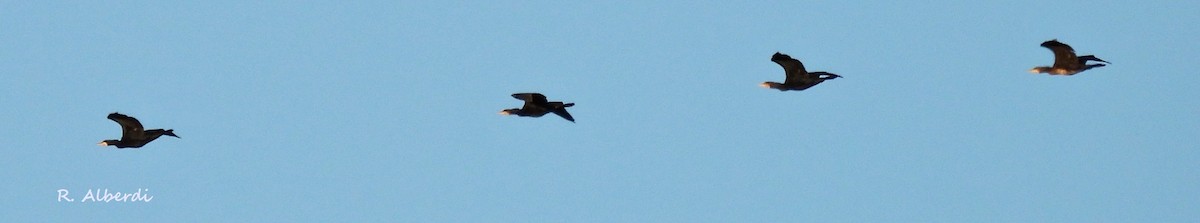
1064,55
560,109
533,101
130,127
791,67
531,97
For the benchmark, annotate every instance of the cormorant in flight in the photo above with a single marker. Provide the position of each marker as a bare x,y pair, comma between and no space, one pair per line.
132,133
797,79
536,105
1065,61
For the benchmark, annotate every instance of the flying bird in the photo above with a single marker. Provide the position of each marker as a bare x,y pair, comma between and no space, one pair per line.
536,105
797,79
132,133
1065,61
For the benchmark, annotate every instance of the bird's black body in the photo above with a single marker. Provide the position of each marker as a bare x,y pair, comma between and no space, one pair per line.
132,133
798,78
1065,61
536,105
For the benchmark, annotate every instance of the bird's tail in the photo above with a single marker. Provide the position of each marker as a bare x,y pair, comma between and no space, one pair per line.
170,132
1086,58
826,75
559,104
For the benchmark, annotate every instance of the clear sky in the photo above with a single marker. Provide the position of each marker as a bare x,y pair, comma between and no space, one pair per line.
386,111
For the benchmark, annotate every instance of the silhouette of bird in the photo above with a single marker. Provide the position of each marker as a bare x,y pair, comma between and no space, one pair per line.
797,79
536,105
1065,61
132,133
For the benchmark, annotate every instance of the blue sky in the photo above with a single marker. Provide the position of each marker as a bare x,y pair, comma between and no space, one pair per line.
386,111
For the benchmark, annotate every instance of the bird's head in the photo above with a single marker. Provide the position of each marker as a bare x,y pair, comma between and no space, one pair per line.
108,142
772,85
509,111
1038,70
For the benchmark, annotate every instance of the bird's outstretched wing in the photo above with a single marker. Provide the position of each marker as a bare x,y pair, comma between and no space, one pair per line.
130,127
532,100
531,97
791,67
1064,55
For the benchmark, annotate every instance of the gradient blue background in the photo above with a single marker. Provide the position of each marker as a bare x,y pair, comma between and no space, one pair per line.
385,111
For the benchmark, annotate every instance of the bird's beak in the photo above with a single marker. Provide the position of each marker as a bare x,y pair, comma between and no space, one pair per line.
505,113
765,85
102,143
